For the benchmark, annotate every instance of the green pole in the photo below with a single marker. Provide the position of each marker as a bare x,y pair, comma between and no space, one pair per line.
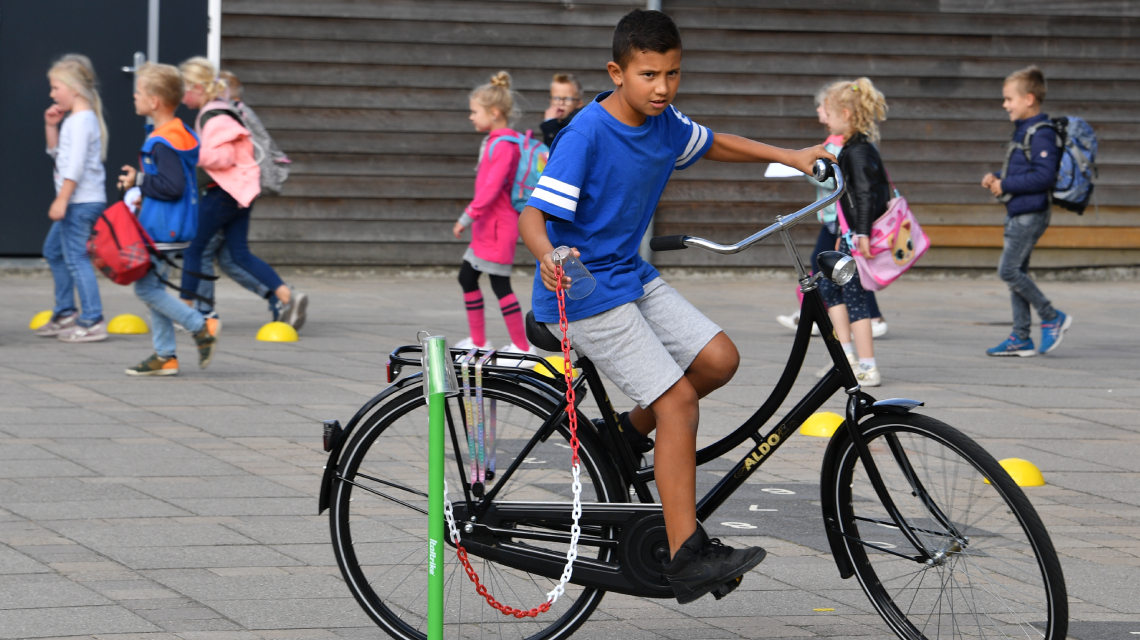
440,382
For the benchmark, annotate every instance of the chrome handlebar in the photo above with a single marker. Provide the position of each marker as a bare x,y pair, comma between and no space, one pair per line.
821,171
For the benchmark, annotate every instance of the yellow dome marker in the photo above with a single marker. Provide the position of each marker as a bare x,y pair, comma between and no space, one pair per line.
558,362
277,332
127,324
40,319
822,424
1023,472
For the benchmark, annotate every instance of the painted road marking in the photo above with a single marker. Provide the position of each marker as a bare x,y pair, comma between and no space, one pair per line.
738,525
778,491
754,507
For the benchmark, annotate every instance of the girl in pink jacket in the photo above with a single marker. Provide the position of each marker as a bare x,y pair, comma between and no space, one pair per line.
228,181
493,220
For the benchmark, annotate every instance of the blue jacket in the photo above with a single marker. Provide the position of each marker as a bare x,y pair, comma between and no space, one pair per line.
170,219
1030,182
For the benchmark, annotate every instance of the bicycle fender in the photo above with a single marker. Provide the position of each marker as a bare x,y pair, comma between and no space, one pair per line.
829,504
895,405
334,451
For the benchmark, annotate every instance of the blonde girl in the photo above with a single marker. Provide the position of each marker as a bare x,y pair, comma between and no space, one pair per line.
230,178
854,109
77,140
493,219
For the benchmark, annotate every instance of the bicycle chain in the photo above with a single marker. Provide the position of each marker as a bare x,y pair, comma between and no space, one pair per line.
576,487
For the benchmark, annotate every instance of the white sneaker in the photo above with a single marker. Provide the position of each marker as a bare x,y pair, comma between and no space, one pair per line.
511,348
793,322
878,327
468,343
867,377
852,360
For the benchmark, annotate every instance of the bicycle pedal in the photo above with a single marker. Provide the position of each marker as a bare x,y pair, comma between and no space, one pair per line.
727,588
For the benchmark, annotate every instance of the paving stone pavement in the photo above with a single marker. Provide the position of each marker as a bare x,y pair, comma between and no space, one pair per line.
186,507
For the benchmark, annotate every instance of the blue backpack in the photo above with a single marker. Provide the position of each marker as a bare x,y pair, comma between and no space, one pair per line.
532,162
1077,172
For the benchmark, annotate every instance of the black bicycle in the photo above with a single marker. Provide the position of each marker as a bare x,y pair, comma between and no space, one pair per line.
940,538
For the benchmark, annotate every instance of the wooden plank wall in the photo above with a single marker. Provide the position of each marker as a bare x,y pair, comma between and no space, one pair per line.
369,98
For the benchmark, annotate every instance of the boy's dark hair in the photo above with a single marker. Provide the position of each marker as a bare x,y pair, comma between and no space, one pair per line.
642,30
1029,80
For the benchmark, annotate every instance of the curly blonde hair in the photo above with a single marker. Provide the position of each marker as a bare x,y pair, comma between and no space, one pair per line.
863,101
76,71
497,94
199,70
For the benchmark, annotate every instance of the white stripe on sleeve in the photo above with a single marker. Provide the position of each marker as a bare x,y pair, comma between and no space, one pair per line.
694,148
555,199
692,142
559,186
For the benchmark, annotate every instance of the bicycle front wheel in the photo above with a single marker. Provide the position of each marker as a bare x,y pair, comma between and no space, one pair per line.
994,572
379,522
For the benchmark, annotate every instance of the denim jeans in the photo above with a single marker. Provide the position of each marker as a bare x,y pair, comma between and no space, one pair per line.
165,310
1021,234
218,211
65,250
216,247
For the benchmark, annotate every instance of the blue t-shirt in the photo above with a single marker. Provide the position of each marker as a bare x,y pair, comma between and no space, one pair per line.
602,182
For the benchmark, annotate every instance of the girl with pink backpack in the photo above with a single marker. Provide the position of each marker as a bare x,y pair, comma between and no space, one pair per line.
853,111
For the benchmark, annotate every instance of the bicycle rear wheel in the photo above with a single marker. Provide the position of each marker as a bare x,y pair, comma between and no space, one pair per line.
379,520
995,573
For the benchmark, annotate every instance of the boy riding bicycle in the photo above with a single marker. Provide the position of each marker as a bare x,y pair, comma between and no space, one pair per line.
606,173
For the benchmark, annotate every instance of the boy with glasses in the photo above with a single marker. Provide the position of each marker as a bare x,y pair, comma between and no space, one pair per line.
565,103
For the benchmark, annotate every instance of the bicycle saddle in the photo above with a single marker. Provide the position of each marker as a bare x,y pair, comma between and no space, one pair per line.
541,337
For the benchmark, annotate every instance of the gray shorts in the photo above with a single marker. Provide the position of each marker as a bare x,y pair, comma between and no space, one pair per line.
644,346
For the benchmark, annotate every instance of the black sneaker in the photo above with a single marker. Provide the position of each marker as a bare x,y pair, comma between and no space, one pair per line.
638,443
702,566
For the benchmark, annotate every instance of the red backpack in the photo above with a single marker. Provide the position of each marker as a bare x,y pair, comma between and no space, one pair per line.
119,246
121,249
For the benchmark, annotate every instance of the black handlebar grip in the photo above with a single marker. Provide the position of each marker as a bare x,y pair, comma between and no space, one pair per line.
668,243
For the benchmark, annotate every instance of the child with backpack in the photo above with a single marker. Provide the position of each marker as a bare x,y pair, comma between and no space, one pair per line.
492,216
230,179
829,233
854,108
216,248
607,171
168,213
79,147
1025,185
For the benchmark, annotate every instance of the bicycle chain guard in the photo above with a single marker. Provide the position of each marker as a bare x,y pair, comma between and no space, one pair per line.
478,465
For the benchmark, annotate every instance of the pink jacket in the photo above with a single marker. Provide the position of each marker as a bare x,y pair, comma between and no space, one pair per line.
495,230
227,154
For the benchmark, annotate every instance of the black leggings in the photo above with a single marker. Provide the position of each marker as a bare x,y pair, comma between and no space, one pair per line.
469,280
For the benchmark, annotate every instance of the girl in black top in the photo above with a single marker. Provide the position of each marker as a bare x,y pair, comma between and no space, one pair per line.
853,110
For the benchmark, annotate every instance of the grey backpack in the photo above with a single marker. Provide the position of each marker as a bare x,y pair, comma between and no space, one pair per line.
271,160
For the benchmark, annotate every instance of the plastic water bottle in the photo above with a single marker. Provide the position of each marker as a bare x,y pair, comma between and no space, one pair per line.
582,283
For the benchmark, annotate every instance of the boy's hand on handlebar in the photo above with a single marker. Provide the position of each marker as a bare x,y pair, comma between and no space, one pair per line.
805,158
548,278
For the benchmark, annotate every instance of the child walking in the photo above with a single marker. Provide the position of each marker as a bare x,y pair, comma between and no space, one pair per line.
169,193
493,220
597,195
79,147
216,247
229,179
1024,188
854,108
829,233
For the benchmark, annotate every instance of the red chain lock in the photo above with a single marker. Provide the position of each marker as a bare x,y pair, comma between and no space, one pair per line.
572,414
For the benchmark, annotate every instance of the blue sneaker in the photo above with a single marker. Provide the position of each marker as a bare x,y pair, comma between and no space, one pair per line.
1053,332
1013,346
